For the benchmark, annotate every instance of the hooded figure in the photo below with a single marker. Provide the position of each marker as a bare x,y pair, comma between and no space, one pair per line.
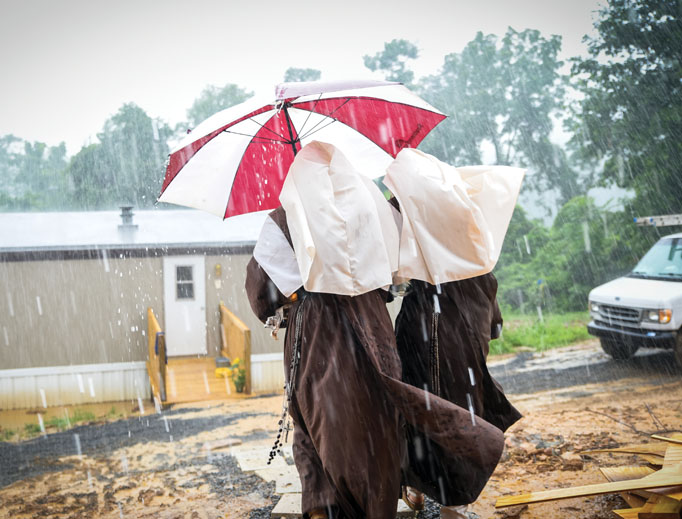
443,330
343,373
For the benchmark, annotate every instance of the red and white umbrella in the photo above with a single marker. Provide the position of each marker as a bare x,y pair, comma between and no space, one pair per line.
235,161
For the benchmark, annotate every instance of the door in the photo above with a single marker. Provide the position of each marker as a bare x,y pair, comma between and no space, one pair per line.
184,297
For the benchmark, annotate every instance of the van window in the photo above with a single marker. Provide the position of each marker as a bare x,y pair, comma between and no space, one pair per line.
664,260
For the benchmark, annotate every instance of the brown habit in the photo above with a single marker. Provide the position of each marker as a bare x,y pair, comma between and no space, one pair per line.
349,402
452,363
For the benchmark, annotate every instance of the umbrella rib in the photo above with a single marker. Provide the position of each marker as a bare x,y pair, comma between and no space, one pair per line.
268,129
329,115
310,113
256,138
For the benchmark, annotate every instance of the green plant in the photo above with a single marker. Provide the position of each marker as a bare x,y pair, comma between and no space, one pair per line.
60,423
32,429
7,434
112,412
81,415
238,375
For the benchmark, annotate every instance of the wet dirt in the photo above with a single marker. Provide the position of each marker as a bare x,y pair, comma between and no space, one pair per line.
163,465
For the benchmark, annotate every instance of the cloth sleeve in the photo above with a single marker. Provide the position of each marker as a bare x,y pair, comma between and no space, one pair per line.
264,296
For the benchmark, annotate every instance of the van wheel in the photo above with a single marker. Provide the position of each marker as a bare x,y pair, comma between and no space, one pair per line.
678,348
618,350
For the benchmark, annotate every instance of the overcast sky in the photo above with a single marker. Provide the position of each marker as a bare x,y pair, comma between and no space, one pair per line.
67,65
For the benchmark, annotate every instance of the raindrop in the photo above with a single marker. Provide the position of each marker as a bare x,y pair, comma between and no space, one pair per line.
586,237
124,463
89,480
208,389
470,403
165,423
426,396
425,334
9,303
77,443
92,387
540,314
105,260
42,397
525,240
472,378
140,405
40,307
81,386
41,423
436,304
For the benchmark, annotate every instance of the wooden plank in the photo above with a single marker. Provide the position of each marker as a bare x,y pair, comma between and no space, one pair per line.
628,513
191,379
625,473
675,439
673,455
236,341
661,507
654,449
633,499
666,477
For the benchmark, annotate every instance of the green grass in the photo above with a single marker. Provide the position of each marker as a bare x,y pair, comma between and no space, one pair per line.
7,434
553,331
32,429
81,415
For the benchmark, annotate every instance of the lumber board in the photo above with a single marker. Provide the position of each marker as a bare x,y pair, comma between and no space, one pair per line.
654,449
628,513
632,499
661,507
666,477
625,473
675,438
673,456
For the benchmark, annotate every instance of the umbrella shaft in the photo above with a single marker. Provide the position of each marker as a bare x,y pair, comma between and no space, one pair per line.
291,133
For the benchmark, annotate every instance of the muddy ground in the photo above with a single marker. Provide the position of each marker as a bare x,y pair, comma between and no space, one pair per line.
176,464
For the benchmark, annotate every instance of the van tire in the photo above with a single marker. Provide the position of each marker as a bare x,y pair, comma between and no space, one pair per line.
618,350
678,348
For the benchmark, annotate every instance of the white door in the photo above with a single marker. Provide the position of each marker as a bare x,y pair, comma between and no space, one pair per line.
184,297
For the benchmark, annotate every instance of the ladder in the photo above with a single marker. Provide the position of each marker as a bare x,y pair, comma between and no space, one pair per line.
659,221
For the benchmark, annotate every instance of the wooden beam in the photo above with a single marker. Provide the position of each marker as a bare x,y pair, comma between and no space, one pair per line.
666,477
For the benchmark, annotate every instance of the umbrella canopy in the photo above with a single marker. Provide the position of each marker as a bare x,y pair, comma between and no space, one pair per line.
236,160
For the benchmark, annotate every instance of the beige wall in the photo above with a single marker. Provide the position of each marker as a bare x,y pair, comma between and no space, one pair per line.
62,312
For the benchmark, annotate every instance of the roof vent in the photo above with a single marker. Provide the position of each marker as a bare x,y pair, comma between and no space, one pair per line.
127,219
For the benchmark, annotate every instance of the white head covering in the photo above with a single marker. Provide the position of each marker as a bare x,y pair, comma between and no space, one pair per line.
343,231
454,219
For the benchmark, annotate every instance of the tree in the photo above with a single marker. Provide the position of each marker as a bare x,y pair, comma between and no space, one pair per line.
392,61
631,116
32,175
126,167
302,74
500,96
213,99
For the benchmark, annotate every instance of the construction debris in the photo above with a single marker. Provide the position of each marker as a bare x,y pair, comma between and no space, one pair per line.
654,491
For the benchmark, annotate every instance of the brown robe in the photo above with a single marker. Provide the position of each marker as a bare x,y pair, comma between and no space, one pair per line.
349,403
452,364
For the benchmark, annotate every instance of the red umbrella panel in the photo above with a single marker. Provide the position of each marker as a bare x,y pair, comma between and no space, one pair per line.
235,162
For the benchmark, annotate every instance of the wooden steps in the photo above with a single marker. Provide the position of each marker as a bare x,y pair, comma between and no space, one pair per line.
192,379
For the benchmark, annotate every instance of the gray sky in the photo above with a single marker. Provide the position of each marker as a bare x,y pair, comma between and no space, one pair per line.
67,65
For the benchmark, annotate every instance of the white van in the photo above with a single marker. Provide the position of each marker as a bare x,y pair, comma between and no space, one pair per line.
643,308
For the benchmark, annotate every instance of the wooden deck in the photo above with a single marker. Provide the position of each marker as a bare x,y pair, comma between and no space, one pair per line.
192,379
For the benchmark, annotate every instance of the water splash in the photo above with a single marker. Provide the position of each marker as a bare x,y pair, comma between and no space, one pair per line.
470,404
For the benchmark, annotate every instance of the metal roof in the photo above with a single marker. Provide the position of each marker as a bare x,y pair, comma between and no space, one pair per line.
104,230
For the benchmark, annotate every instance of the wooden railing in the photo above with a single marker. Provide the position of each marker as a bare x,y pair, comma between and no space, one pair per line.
236,341
156,362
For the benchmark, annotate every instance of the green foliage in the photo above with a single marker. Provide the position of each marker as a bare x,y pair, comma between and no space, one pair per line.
32,175
7,434
631,115
213,99
82,415
32,429
500,94
584,248
302,74
392,61
552,331
61,424
126,167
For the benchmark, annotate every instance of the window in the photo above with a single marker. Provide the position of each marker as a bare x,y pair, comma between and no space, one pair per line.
184,282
